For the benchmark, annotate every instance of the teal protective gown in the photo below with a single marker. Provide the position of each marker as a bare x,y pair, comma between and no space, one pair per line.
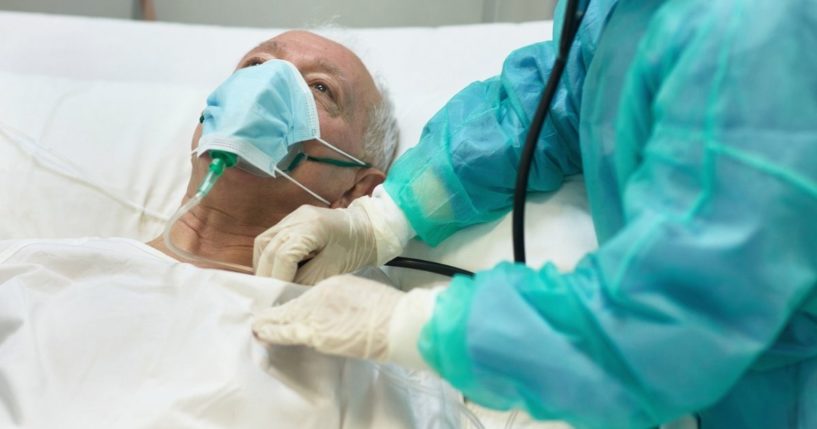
694,123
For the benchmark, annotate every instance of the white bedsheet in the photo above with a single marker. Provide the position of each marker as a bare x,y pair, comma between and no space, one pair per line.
110,333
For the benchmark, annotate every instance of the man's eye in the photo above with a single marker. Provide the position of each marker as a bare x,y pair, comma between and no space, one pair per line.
320,87
254,62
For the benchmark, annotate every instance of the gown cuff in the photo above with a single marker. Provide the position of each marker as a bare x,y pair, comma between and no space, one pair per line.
412,313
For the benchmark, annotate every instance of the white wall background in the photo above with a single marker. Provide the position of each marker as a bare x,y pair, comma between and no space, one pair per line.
303,13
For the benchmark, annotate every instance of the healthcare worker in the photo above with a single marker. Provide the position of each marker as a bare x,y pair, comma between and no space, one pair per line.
694,123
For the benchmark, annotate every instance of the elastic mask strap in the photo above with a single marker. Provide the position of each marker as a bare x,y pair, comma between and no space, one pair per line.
330,146
300,185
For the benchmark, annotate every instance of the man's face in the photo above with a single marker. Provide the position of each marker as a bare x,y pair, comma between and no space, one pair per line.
344,92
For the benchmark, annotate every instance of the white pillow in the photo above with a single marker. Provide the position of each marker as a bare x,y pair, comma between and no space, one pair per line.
92,158
559,229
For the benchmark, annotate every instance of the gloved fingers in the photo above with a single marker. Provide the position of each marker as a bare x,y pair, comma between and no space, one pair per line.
323,265
267,244
275,326
263,241
276,267
280,258
342,315
273,262
294,334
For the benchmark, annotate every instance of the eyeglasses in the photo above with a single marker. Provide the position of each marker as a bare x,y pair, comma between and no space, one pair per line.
301,157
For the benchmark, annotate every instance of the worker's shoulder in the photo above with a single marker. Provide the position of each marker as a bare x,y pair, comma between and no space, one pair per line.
701,30
735,15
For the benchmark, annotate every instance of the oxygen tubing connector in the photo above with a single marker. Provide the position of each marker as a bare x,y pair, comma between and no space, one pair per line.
221,161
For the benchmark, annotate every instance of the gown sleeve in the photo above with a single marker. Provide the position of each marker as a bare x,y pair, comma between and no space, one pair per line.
463,170
716,150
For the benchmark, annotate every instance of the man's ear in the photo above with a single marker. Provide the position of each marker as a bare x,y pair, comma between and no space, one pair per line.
365,182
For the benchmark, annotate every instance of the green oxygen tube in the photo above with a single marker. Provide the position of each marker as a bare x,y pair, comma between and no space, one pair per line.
221,161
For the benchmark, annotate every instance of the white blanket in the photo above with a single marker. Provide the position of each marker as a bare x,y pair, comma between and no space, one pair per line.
110,333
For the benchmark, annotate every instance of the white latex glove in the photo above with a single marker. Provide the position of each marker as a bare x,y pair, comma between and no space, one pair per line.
354,317
370,232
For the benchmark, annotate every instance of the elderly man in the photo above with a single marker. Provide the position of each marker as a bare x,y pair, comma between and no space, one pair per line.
110,332
354,115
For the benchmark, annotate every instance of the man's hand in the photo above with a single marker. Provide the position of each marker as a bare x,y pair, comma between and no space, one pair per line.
354,317
338,241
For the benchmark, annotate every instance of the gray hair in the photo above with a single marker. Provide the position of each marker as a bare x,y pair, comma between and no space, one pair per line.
382,135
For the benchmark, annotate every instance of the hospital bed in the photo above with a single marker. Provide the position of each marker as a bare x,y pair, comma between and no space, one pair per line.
96,117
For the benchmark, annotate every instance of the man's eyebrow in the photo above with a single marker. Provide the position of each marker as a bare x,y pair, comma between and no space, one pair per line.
321,64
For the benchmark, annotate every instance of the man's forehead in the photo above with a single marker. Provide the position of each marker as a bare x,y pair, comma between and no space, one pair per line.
308,46
270,46
308,58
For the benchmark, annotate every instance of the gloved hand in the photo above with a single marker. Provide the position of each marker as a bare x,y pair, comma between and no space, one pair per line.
354,317
370,232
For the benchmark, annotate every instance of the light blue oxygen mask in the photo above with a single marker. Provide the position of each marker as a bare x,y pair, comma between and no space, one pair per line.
256,120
